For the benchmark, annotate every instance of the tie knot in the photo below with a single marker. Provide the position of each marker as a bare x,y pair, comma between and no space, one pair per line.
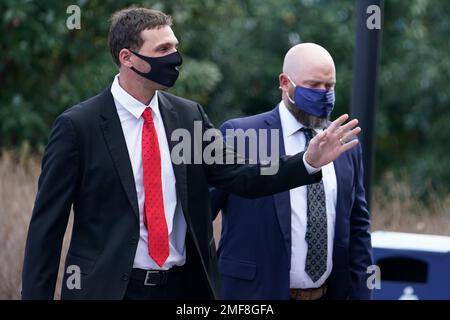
309,134
147,115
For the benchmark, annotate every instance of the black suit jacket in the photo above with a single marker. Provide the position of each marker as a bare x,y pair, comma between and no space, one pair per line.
86,165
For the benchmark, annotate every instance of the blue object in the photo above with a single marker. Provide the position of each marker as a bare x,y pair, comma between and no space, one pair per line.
413,266
317,102
254,254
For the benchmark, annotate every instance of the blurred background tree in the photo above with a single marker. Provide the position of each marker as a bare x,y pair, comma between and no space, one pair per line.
233,52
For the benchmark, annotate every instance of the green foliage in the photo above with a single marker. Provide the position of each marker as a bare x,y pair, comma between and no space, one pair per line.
233,52
414,113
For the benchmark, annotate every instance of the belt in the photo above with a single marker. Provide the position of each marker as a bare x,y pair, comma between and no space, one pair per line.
152,277
308,294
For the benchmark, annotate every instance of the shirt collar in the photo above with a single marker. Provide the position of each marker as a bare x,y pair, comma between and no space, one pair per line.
289,124
131,104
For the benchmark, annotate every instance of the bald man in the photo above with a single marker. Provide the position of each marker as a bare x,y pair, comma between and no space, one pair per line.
146,231
311,242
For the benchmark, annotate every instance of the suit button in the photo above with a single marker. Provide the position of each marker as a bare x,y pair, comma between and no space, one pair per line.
133,240
125,277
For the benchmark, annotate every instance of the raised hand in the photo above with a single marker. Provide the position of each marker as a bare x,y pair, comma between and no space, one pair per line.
332,142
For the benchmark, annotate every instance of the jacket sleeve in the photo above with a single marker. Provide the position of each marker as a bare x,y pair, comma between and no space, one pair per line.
56,188
250,180
218,197
360,241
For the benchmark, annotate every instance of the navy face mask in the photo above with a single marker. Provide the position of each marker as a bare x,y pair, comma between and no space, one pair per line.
164,70
316,102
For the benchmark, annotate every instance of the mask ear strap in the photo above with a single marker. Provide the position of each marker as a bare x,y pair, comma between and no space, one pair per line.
142,58
287,93
138,72
137,54
290,99
292,82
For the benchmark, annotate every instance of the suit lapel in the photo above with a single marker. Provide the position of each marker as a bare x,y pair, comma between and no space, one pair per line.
115,140
282,200
171,122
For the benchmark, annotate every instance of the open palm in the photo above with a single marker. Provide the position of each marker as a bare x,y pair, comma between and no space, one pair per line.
332,142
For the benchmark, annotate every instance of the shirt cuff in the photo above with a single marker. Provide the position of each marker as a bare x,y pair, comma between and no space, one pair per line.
310,168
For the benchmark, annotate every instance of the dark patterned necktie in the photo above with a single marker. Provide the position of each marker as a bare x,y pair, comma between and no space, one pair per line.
316,228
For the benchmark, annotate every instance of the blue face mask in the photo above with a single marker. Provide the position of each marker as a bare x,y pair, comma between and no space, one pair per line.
316,102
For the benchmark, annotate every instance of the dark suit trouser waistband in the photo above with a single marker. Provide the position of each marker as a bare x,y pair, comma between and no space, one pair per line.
158,285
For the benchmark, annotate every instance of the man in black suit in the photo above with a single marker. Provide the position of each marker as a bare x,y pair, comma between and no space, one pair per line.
142,221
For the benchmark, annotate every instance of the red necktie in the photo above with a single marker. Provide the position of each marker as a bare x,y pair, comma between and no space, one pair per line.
154,217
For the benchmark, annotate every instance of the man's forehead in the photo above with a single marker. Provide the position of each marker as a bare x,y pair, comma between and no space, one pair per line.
316,74
159,36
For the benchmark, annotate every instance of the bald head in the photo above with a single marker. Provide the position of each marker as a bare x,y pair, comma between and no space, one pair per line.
309,59
310,66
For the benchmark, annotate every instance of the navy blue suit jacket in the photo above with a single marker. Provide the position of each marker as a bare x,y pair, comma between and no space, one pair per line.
255,246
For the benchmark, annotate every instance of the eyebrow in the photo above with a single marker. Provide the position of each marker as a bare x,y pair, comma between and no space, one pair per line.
318,81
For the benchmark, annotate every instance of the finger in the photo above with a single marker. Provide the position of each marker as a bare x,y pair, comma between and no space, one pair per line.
321,136
317,140
349,145
351,134
347,127
337,123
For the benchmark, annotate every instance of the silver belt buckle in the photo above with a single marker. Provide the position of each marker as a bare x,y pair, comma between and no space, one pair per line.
146,283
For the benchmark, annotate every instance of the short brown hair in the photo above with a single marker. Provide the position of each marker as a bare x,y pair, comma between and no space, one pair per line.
127,25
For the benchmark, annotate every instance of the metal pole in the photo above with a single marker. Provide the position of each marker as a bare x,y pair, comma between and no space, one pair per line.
365,74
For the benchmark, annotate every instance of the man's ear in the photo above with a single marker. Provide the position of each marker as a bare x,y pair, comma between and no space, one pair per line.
125,58
284,82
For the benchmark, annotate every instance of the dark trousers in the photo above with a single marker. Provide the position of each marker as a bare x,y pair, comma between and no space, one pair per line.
179,286
174,288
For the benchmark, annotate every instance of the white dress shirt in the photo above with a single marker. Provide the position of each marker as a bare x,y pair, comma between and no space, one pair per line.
130,110
294,142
